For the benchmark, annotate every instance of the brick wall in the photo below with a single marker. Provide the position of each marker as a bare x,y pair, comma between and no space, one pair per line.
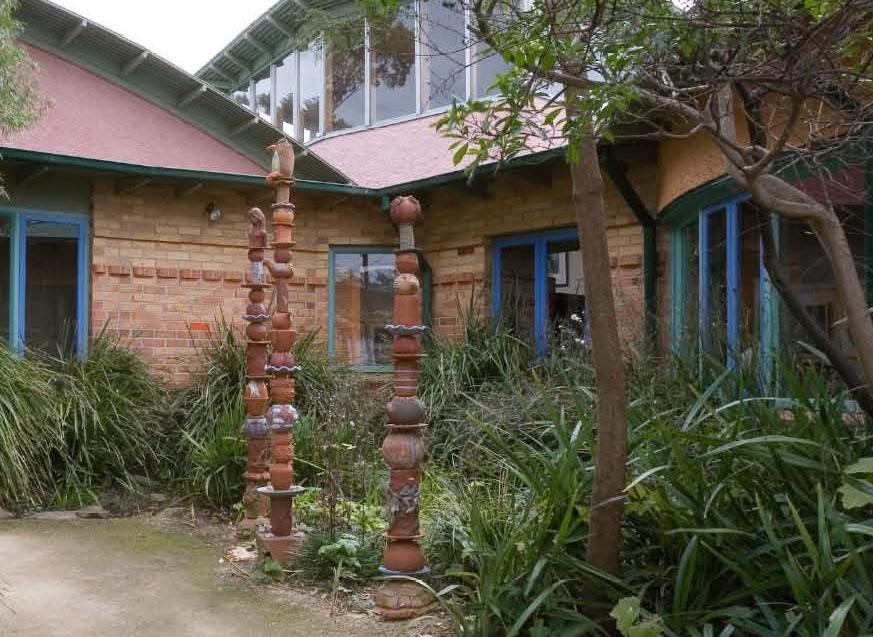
162,273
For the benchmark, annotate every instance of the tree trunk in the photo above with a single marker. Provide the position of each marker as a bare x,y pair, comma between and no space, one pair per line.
610,456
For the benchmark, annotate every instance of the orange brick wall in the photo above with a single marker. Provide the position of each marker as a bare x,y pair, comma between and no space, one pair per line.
162,273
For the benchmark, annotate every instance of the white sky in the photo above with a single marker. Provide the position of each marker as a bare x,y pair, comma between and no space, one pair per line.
186,32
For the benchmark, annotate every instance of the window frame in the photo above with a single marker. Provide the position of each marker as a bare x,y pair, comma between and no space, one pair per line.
540,242
334,250
18,272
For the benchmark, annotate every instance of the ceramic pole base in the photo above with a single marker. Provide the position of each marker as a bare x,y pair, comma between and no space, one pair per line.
282,549
402,599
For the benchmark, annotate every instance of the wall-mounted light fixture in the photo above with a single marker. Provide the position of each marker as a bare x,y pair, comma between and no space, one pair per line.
213,212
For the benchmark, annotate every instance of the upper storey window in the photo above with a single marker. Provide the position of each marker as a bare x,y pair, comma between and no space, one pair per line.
363,74
392,67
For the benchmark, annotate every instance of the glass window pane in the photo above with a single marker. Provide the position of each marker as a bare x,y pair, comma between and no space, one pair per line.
443,61
51,286
691,312
566,302
364,305
344,78
517,291
262,95
5,280
286,85
311,80
392,72
811,277
487,66
242,97
750,279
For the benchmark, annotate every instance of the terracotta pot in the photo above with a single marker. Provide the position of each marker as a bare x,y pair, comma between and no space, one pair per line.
405,411
399,478
405,381
257,295
282,417
405,525
256,398
256,309
282,390
407,310
282,255
281,320
280,359
257,331
407,261
403,450
255,427
256,358
284,235
406,284
282,216
281,475
407,345
283,340
404,556
405,210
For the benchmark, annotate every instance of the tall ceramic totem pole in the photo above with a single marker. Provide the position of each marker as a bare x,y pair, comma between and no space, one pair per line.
256,397
403,449
282,416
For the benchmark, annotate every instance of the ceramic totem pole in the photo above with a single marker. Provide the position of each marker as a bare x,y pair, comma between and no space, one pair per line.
282,415
256,397
404,447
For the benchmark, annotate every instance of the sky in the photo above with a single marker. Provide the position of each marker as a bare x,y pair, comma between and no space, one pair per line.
185,32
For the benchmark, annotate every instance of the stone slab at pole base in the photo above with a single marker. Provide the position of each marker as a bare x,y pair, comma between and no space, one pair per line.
402,599
281,549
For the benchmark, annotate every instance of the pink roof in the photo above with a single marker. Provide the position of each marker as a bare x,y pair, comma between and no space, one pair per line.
397,153
89,116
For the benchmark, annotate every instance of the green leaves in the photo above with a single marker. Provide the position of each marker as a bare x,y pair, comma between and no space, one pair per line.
856,492
626,613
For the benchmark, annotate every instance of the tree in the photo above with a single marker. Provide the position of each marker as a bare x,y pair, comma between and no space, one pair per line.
20,104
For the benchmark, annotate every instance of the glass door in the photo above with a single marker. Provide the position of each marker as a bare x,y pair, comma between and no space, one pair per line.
537,285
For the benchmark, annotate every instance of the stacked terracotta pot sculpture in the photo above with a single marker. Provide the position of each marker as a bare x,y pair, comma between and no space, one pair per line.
256,397
403,449
281,416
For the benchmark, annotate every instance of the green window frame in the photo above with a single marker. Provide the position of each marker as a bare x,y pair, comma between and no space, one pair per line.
334,252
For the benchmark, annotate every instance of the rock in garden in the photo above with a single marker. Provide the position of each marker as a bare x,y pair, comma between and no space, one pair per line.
93,512
158,498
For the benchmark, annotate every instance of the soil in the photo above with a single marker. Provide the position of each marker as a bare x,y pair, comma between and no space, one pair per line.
163,574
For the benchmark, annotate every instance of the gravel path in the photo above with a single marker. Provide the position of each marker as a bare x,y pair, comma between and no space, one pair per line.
124,577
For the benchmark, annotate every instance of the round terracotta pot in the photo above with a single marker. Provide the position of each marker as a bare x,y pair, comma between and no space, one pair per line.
405,525
281,475
407,261
407,345
257,295
282,216
403,450
282,417
406,284
403,556
255,427
279,359
405,210
405,411
257,331
256,309
282,390
281,320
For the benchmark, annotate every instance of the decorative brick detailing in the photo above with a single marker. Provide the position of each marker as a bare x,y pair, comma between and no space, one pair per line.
466,250
234,277
188,274
98,268
211,275
198,326
168,273
143,273
119,270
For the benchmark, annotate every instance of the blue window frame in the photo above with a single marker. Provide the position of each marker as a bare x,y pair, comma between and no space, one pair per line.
539,244
29,232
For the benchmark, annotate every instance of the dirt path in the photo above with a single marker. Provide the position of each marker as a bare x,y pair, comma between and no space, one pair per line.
124,577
